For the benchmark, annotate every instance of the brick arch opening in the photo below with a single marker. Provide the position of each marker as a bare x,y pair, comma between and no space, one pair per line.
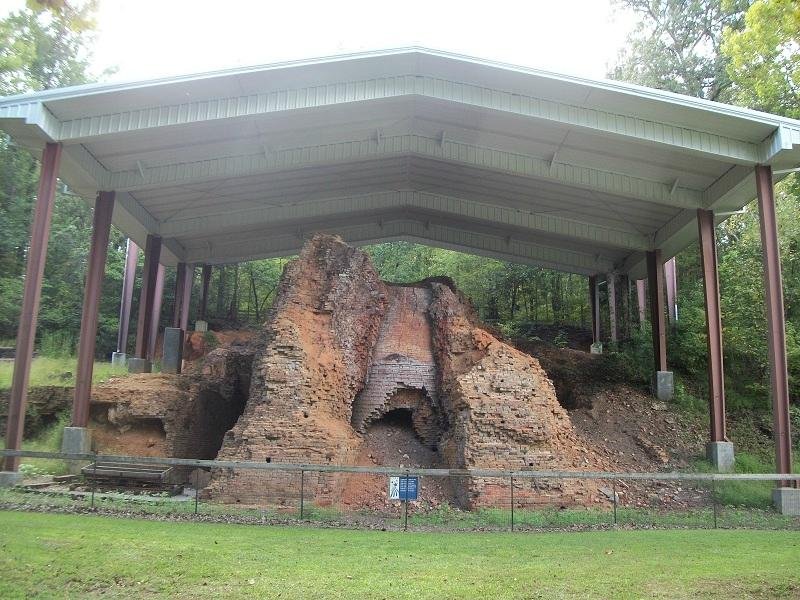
414,409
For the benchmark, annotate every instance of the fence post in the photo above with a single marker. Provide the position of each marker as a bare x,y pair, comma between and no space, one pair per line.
714,499
614,492
94,478
302,489
512,502
196,488
405,506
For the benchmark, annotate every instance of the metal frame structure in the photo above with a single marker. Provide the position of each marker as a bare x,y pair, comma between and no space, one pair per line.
582,176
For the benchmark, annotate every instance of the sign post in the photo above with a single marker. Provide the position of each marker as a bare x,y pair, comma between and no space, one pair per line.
403,488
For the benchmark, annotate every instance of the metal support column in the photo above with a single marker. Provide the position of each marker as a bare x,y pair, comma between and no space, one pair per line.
716,380
776,327
152,254
34,270
201,313
155,319
101,228
128,279
655,284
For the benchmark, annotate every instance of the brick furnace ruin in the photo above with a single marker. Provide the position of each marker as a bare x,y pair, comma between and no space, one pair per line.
344,351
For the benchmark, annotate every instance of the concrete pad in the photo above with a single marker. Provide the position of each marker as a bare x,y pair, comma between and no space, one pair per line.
9,478
787,501
172,357
596,348
664,385
119,359
720,454
201,325
139,365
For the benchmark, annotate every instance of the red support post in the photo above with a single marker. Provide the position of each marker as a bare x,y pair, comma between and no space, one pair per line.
34,271
152,254
201,313
128,279
101,228
655,284
155,319
716,379
776,326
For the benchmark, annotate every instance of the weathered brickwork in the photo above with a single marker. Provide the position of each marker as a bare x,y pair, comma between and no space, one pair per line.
320,337
502,411
182,416
403,360
344,349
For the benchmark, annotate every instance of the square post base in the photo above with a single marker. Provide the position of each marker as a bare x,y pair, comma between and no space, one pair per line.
596,348
9,478
119,359
787,501
76,440
172,350
720,454
201,325
664,385
139,365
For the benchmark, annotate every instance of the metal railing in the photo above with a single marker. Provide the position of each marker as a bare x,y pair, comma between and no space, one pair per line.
356,496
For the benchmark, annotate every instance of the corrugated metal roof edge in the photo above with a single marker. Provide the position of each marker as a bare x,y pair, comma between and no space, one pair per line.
628,89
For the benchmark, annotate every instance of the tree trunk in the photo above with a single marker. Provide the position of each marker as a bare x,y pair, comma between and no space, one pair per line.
221,292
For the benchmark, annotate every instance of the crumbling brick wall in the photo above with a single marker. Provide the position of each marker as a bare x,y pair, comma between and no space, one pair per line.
402,361
502,411
181,416
342,348
320,337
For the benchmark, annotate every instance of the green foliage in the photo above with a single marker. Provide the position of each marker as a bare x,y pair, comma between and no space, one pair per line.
45,48
765,57
676,45
507,294
752,494
58,371
47,440
57,344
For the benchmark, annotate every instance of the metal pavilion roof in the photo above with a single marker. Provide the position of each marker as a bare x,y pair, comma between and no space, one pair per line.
412,144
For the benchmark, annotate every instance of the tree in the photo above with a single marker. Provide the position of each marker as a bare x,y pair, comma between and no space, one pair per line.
676,45
764,57
43,46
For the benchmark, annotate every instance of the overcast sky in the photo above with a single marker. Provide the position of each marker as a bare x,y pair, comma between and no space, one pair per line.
151,38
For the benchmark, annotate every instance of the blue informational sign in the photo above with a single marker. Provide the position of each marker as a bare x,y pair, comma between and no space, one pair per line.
402,487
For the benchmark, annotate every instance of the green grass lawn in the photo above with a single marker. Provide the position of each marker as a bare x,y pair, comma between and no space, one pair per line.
57,371
73,556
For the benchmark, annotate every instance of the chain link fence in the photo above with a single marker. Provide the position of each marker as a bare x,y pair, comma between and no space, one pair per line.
374,497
